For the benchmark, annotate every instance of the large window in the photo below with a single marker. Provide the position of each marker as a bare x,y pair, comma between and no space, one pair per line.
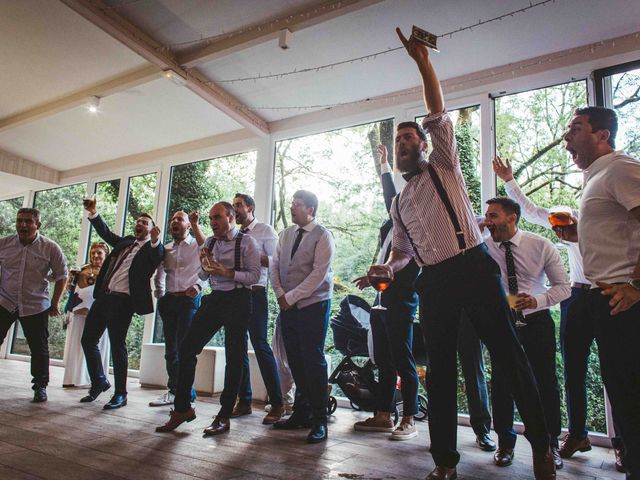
529,131
340,168
197,186
107,194
61,216
8,211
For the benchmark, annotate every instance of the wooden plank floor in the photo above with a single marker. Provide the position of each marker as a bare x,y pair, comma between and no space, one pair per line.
63,439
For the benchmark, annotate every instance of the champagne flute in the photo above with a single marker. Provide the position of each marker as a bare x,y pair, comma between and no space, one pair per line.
380,282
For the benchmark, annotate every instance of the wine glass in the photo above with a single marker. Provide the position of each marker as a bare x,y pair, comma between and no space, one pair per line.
513,299
379,281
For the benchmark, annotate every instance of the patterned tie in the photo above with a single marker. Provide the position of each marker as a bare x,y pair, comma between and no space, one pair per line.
296,244
511,268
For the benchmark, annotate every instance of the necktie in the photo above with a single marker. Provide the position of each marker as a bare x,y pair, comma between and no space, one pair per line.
244,230
511,268
296,244
118,262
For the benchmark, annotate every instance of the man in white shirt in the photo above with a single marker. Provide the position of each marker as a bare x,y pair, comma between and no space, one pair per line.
526,261
267,240
608,234
178,289
302,280
575,338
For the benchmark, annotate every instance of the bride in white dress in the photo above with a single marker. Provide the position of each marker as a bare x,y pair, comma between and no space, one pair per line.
75,372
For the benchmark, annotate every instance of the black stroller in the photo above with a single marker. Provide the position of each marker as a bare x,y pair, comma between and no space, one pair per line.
357,379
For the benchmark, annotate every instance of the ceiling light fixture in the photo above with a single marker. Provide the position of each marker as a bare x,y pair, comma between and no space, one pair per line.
285,38
93,103
175,77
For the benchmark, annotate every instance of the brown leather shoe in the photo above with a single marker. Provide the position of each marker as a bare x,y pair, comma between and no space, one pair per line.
176,419
240,409
543,466
503,457
218,426
443,473
557,459
275,415
619,460
570,445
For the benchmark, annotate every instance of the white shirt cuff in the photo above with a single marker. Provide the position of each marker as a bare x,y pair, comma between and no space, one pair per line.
385,168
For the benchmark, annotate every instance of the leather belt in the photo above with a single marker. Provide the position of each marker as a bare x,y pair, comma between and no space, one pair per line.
178,294
533,315
116,294
257,288
581,286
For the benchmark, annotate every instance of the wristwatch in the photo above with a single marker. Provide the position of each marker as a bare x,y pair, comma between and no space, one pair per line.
635,283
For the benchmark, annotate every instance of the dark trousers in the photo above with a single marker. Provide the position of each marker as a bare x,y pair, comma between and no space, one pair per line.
539,342
176,313
113,313
471,282
392,331
577,333
262,349
219,309
303,332
618,337
472,365
36,331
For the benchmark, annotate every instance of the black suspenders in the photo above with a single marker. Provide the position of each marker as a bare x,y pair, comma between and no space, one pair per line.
447,205
237,259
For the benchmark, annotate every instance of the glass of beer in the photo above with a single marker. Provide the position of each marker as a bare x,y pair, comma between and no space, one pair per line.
89,201
560,217
380,282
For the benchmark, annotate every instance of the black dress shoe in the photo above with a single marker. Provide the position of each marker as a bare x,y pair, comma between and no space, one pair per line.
317,434
485,443
39,394
293,422
117,401
94,392
503,457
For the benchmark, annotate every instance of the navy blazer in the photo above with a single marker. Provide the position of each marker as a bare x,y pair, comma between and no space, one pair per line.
143,266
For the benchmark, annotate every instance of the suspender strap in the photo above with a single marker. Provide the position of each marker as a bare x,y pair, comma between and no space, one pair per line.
237,258
404,227
447,204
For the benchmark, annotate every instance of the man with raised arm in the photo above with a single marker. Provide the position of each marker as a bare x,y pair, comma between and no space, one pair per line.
435,224
231,263
608,234
178,289
575,338
123,287
27,263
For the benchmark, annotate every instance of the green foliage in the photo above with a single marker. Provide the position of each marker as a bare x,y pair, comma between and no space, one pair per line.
8,211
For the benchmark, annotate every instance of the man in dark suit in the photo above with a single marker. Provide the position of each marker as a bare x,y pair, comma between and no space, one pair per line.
123,287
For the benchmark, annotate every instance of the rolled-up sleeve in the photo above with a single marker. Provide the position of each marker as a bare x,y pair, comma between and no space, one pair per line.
444,152
58,263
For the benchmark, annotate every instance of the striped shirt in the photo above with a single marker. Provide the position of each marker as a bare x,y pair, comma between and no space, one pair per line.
422,210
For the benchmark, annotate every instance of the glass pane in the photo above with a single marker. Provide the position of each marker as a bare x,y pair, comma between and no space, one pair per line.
197,186
8,211
61,216
141,199
340,168
529,131
626,101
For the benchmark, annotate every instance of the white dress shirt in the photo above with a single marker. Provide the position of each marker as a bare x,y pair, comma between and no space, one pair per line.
608,235
540,216
324,252
535,258
120,279
180,268
267,240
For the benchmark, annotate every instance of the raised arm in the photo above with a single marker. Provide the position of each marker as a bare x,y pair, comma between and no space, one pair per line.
432,91
386,178
195,228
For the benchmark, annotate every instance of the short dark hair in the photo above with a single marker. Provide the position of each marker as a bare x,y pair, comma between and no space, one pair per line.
310,200
34,212
228,207
247,199
146,215
415,125
601,118
508,205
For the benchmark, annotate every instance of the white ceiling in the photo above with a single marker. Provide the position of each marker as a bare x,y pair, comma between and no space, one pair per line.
49,51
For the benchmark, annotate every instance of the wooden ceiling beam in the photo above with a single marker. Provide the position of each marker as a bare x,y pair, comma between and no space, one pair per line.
256,34
109,21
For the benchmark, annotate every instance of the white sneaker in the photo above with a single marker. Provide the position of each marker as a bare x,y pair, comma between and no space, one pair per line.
162,400
404,431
